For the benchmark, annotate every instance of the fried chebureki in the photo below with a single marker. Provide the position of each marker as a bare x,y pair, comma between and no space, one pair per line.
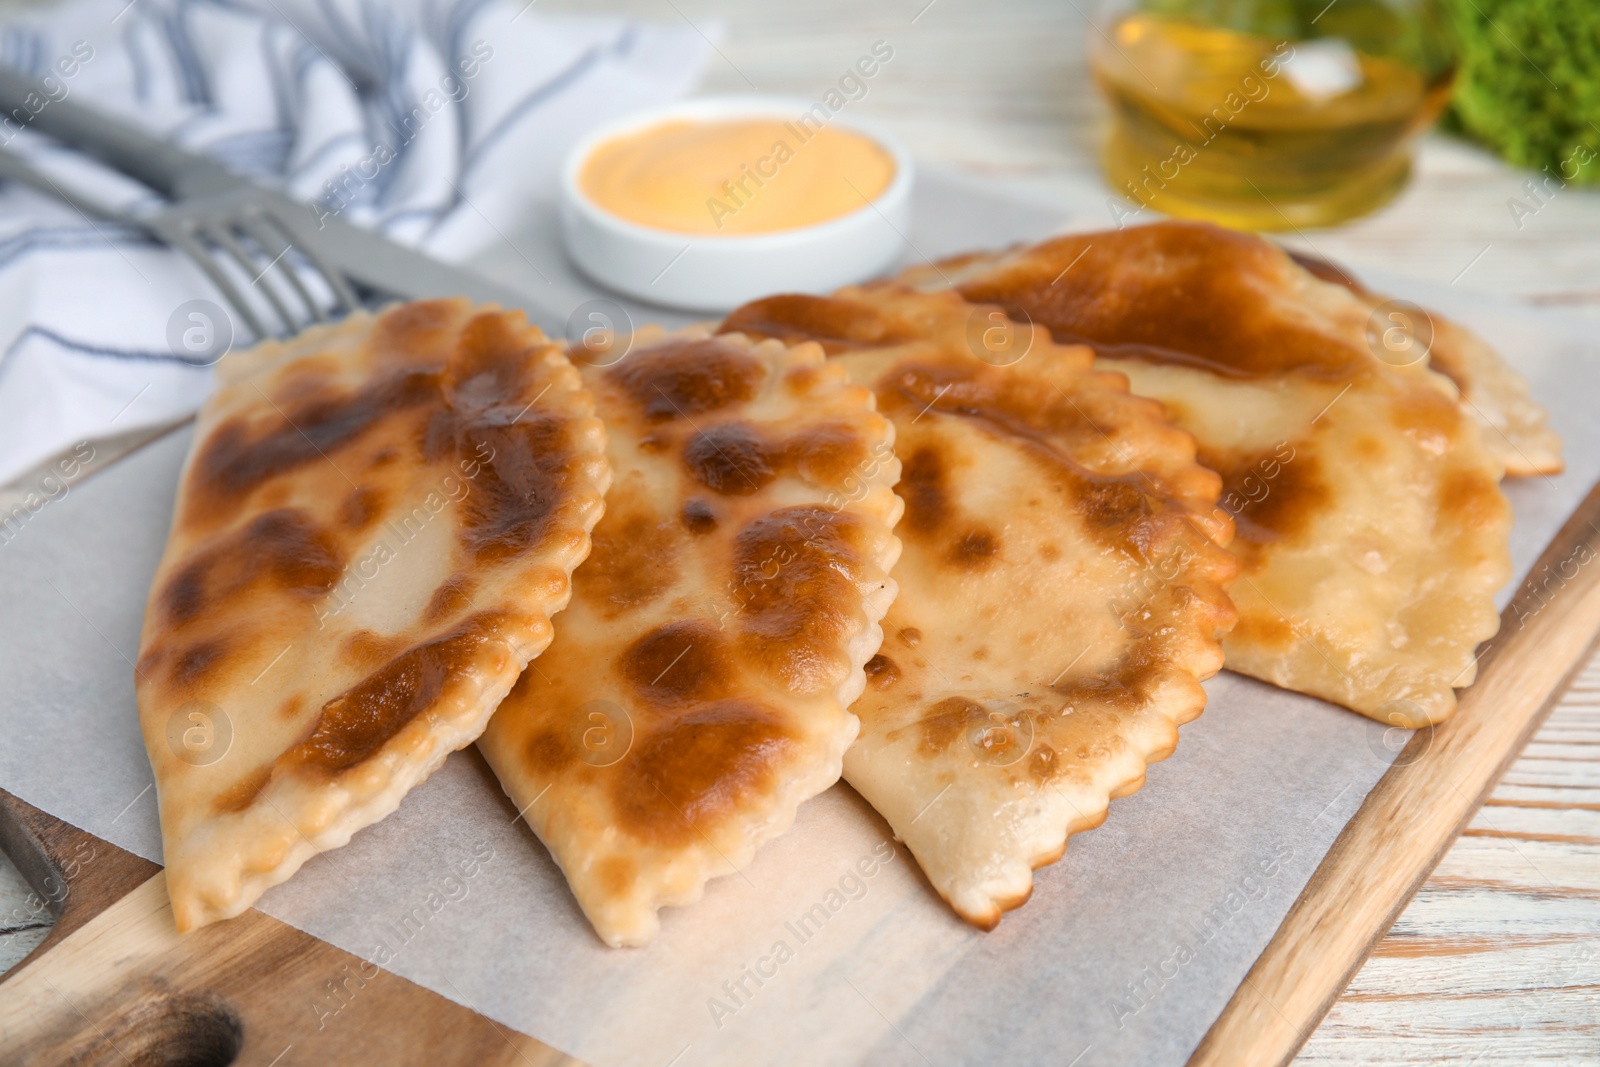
1371,527
1061,586
698,688
373,527
1515,427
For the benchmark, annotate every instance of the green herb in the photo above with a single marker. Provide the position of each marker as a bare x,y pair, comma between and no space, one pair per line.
1528,85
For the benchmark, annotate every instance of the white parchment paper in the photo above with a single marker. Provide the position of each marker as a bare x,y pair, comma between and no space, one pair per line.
830,948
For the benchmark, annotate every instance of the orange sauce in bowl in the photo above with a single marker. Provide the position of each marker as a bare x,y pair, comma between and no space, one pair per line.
736,177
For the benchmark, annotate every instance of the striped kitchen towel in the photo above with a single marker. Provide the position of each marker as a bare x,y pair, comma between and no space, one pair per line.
440,122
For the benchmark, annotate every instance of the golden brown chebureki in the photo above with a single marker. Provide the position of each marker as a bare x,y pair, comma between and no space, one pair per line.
696,691
1371,529
1060,585
374,525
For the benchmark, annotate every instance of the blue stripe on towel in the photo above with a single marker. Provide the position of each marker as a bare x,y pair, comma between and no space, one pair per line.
552,86
86,349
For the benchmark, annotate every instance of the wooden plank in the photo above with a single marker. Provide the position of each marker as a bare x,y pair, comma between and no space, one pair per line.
1411,817
117,984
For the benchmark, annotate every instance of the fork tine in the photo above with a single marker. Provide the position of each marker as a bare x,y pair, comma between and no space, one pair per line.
273,244
178,233
219,234
344,295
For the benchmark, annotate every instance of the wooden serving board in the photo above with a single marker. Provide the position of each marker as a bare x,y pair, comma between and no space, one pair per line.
114,983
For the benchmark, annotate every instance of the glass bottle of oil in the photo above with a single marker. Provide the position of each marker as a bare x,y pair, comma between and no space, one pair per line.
1267,114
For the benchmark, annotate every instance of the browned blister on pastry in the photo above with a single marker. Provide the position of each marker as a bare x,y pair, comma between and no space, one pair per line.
1371,527
373,528
1061,584
696,692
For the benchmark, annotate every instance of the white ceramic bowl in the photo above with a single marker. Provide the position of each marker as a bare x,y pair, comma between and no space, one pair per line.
711,273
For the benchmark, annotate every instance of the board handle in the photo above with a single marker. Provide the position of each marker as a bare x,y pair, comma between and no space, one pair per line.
115,984
73,874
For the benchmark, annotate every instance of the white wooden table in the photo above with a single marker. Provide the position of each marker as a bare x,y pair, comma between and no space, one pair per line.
1497,960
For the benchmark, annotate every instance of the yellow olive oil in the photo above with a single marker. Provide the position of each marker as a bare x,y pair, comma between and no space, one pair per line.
1253,132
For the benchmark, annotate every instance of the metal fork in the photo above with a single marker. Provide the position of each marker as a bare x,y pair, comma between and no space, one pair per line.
238,226
228,224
